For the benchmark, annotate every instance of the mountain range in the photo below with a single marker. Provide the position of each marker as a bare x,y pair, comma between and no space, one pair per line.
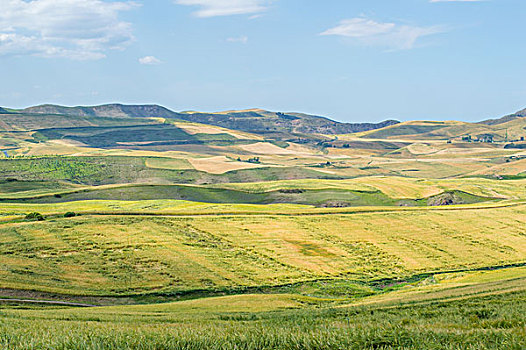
253,120
160,124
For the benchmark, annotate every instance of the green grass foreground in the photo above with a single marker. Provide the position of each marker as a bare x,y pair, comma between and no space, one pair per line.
492,322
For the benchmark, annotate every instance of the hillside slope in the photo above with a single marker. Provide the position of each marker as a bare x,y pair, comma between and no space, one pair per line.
507,129
254,120
138,254
108,111
261,121
505,119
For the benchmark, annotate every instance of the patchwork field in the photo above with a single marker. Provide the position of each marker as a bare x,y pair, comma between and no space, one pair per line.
125,228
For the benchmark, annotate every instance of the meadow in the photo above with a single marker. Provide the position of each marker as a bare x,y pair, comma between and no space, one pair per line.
159,233
162,253
487,322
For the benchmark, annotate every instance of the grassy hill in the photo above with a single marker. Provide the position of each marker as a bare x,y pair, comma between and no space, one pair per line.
373,191
30,122
112,130
255,121
254,229
504,131
480,321
407,129
277,125
505,119
261,121
159,253
107,111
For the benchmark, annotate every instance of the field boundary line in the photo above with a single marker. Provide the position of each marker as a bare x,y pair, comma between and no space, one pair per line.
315,213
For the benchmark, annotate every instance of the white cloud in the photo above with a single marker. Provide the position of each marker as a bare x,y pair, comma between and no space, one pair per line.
77,29
240,39
149,60
390,35
213,8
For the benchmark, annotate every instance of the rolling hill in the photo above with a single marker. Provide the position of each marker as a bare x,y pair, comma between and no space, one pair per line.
296,127
506,130
256,222
261,121
505,119
107,111
254,120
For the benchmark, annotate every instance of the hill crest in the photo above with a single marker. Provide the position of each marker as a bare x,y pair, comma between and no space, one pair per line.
251,120
114,110
505,119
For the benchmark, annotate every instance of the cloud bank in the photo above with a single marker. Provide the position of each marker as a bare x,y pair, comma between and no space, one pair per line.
76,29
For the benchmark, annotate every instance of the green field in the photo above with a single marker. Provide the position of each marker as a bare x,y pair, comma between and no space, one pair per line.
487,321
130,230
186,252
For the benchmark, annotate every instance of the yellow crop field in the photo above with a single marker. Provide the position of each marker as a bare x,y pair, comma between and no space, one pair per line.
187,252
168,163
219,164
397,187
196,128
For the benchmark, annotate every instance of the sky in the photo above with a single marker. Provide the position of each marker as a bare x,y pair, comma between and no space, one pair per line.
350,60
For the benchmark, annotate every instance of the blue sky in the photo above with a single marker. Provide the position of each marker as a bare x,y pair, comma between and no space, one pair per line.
351,60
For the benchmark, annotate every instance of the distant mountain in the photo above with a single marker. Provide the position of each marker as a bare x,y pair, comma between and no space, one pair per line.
108,111
519,114
290,126
254,120
261,121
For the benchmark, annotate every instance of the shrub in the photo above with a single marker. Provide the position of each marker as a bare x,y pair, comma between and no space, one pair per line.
70,214
35,216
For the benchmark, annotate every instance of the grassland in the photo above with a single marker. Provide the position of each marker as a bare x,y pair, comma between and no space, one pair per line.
181,235
101,170
431,130
184,252
273,322
364,191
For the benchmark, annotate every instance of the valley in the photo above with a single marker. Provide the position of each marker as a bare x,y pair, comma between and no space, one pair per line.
137,226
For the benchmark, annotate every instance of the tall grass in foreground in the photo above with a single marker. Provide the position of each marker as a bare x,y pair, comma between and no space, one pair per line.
496,322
